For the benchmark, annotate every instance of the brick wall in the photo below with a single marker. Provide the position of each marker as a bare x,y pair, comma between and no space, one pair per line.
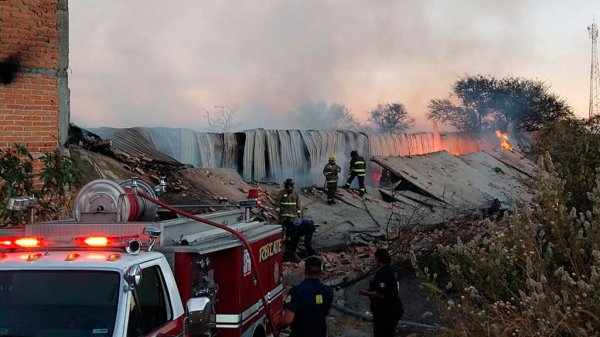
34,99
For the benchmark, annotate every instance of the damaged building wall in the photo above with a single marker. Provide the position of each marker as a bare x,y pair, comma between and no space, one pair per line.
34,92
274,155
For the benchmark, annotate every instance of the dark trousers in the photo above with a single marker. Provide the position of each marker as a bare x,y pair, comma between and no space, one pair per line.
384,325
331,188
361,182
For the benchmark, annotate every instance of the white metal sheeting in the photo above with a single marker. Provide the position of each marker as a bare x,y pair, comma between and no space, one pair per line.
508,181
449,179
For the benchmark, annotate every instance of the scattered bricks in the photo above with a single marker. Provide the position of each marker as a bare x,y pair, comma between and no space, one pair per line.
139,171
360,250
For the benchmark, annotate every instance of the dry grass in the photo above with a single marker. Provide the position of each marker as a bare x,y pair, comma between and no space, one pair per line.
535,273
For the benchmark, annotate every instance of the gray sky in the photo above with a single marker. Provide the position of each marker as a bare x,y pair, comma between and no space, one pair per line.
160,63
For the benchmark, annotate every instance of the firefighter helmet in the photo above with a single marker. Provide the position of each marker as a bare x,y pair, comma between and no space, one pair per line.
353,153
289,182
332,157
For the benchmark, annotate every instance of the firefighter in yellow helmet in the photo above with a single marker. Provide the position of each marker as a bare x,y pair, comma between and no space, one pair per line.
331,172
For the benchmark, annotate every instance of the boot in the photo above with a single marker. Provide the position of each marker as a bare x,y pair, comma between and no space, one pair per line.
289,253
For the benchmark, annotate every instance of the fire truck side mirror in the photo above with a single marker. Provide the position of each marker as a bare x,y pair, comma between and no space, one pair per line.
133,275
198,314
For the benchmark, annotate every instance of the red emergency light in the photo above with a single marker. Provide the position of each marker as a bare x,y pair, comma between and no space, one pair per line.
21,242
96,241
253,193
103,241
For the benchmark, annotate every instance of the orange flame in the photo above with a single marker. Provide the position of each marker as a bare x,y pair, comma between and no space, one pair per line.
504,140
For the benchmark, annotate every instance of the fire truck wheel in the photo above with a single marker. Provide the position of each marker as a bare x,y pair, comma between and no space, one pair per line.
259,332
87,320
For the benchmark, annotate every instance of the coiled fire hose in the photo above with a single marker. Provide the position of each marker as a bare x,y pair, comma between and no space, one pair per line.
245,243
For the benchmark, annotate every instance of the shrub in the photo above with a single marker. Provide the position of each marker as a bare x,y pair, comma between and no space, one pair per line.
574,146
53,188
535,273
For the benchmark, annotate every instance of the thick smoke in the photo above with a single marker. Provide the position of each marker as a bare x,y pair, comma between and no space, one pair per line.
142,62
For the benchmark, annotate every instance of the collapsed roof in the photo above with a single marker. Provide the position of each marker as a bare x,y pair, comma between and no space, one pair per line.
471,181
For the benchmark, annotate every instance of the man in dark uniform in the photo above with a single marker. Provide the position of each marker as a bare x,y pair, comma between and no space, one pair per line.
383,292
357,169
288,208
306,306
302,228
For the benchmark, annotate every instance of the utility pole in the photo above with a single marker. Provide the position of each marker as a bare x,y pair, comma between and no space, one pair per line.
595,73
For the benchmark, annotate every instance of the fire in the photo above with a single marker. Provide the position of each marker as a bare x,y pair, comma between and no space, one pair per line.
504,140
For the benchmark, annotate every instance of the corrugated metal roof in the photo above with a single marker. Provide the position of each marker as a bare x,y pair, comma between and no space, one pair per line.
514,159
508,181
132,142
447,178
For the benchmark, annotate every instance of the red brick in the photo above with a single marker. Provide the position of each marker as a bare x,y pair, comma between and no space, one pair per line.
29,105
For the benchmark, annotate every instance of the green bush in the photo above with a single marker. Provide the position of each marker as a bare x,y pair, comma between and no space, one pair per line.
53,187
535,273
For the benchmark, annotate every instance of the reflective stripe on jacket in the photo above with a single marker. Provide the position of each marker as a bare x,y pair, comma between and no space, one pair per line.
331,172
357,165
288,204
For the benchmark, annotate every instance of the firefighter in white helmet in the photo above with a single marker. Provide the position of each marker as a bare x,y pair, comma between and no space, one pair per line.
331,172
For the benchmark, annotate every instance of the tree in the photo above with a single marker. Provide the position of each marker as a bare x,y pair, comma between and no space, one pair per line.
482,102
221,118
391,118
320,116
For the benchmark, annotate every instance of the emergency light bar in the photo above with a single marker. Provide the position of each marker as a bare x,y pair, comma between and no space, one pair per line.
131,244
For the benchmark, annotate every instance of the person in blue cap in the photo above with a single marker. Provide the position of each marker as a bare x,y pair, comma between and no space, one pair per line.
306,305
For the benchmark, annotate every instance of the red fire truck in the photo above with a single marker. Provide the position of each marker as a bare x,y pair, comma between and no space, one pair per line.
114,270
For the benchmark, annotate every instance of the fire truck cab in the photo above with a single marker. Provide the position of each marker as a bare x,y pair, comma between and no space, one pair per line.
99,276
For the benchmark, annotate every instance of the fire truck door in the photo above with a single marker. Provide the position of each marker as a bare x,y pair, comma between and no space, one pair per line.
150,312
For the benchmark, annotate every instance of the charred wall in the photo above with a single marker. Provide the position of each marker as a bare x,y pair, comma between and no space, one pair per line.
34,92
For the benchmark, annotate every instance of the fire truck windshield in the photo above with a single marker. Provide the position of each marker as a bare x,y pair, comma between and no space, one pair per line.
58,303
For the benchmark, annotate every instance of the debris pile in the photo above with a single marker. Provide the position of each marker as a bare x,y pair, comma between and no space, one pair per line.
338,268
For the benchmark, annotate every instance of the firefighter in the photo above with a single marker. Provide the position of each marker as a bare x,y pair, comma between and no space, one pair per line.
331,172
306,305
288,208
357,169
386,306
